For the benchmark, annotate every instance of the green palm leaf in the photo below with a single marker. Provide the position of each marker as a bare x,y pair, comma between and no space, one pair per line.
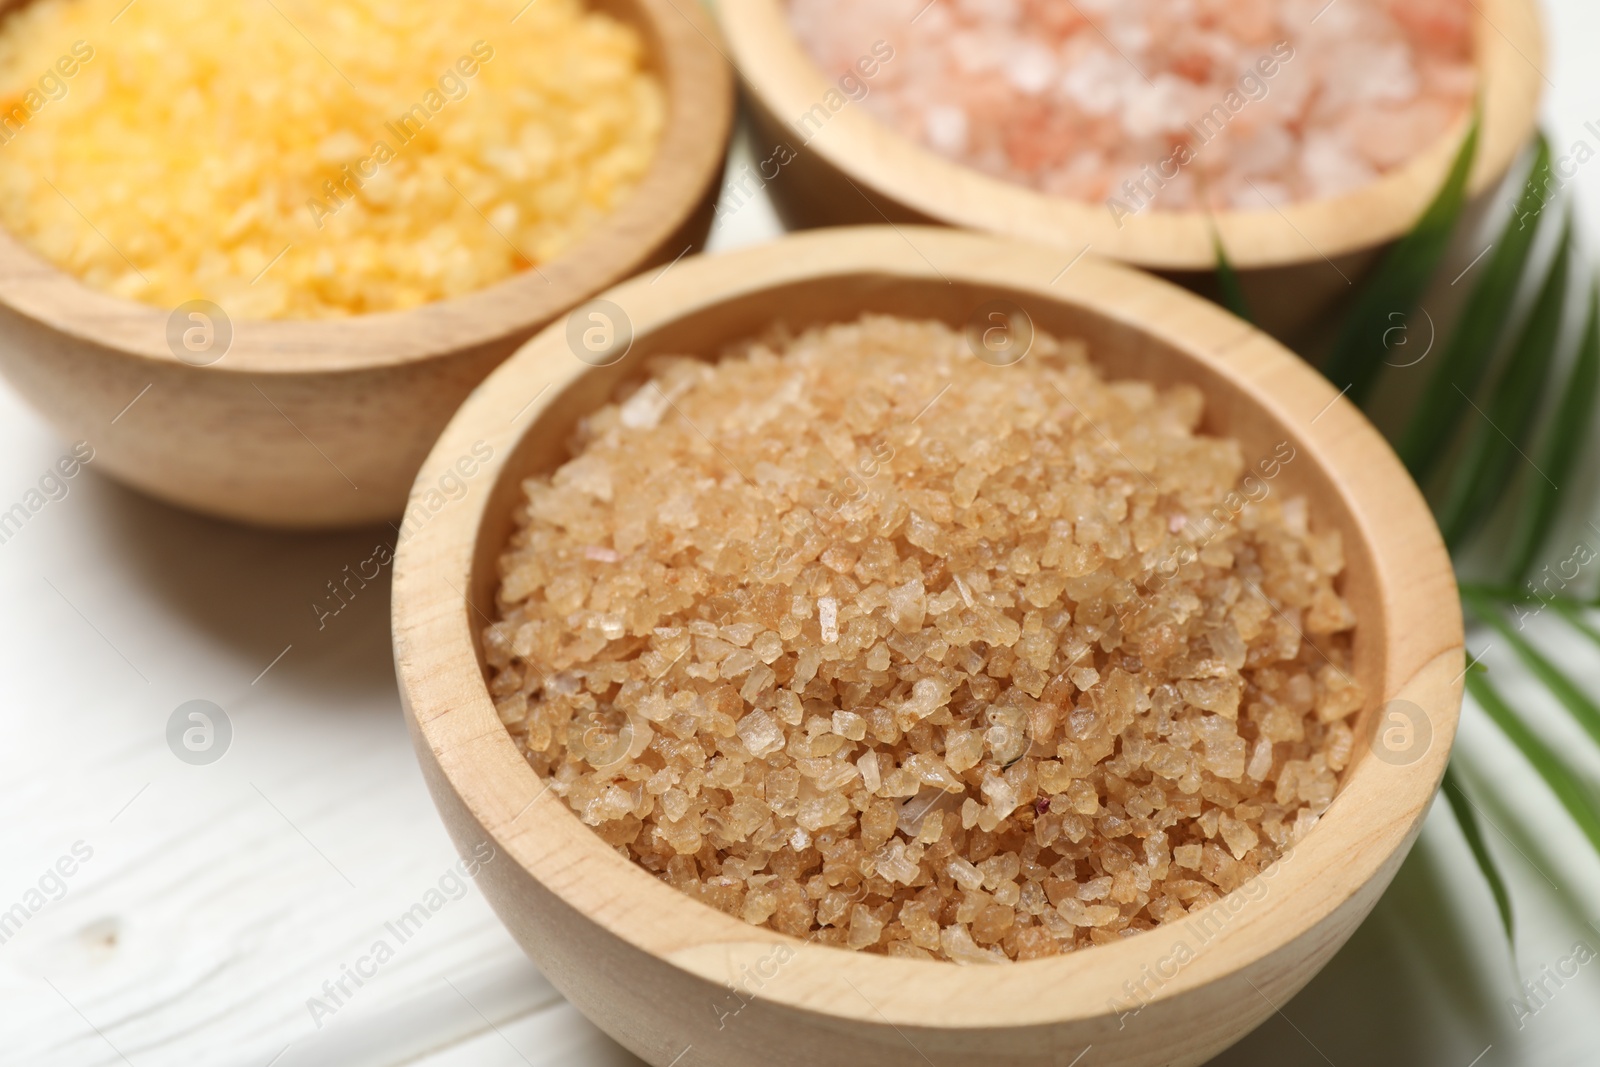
1562,445
1233,297
1574,615
1498,441
1495,442
1467,818
1465,359
1357,353
1575,700
1572,793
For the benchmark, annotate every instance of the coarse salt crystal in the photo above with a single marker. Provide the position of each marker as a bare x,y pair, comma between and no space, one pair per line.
828,619
983,722
960,948
760,734
946,128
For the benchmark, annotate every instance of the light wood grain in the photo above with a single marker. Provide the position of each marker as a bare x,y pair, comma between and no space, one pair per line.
317,424
1296,261
651,966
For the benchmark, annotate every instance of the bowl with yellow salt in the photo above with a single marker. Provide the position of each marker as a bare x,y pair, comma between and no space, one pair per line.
1303,136
258,256
904,652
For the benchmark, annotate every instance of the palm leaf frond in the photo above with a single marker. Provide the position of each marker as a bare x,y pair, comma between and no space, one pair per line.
1573,613
1569,429
1568,788
1467,818
1232,291
1500,438
1466,357
1400,279
1577,703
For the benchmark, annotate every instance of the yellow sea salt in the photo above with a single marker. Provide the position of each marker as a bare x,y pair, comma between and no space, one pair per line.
315,160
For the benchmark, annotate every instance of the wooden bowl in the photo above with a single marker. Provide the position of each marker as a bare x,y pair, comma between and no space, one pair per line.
851,168
314,424
652,966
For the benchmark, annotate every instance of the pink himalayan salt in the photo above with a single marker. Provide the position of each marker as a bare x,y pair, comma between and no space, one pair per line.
1077,99
839,703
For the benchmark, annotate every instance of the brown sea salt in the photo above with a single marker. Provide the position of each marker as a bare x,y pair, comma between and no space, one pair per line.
857,637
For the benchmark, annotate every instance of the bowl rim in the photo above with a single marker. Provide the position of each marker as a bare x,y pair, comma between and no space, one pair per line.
1359,840
783,79
681,44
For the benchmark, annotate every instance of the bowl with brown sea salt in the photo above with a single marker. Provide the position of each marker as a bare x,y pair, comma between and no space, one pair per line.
1296,132
895,657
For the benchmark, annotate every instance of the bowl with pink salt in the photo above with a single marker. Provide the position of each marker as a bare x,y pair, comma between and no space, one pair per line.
1301,133
892,655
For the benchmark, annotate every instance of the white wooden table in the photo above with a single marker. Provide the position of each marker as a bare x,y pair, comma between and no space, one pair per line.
208,905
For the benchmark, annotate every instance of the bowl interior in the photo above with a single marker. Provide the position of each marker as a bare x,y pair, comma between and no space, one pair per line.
1121,350
786,85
